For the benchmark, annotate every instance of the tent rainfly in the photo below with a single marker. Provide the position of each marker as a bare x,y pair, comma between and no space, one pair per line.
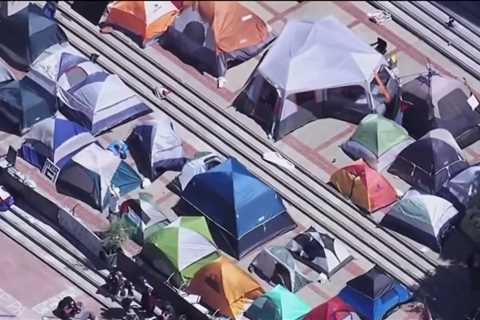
26,34
213,36
24,103
90,175
327,71
319,251
56,139
243,211
438,101
94,98
333,309
156,147
278,304
374,293
366,187
463,189
422,217
430,161
277,266
377,140
225,287
143,21
182,248
46,69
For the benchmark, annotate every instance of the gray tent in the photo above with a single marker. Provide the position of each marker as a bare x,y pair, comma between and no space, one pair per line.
319,251
422,217
277,266
316,69
156,147
438,101
462,189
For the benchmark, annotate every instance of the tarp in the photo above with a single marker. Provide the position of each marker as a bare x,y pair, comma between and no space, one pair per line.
26,34
366,187
184,247
326,71
89,175
430,161
333,309
156,147
225,287
377,140
24,103
8,8
438,101
277,266
374,293
213,36
278,304
422,217
56,139
463,189
94,98
319,251
142,20
244,211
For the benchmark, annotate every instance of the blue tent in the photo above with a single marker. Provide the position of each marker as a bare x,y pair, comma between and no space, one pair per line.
57,139
244,211
26,34
374,293
24,103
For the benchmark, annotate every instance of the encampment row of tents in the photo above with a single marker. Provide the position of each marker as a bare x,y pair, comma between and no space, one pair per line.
66,100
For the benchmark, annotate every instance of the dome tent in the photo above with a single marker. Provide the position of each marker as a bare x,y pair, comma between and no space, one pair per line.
156,147
430,161
183,247
421,217
366,187
377,140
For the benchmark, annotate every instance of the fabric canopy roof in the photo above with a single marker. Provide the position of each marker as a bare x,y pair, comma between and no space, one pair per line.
317,55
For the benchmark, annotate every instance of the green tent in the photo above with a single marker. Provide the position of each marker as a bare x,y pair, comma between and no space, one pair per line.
377,141
277,304
181,248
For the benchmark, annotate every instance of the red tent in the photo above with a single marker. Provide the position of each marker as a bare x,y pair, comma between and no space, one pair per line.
366,187
333,309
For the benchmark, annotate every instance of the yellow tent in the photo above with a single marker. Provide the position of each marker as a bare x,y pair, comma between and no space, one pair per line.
225,287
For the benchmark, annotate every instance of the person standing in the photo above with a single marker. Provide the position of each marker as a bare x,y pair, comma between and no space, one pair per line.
148,300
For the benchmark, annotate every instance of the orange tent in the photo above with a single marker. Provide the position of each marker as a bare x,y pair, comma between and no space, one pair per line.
366,187
225,287
234,26
145,19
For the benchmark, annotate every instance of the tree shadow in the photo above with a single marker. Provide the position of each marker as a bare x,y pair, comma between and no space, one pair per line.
449,292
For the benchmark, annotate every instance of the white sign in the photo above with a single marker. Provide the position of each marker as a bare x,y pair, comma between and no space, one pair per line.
50,170
473,102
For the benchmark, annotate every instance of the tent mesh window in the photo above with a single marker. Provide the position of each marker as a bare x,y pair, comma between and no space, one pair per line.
76,76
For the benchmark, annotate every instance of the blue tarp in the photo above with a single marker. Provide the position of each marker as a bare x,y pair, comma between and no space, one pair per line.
246,209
